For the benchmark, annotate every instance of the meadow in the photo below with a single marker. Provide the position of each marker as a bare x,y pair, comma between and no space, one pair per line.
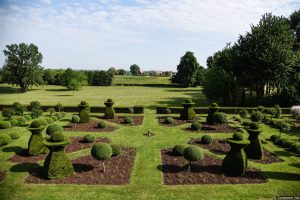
141,80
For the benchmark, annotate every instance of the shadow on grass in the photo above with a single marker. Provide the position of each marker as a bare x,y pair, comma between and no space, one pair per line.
24,167
295,165
282,176
64,95
57,90
283,153
9,90
64,120
14,149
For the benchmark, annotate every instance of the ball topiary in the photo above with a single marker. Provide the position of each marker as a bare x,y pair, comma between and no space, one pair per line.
169,120
59,116
109,100
5,124
27,117
254,126
206,139
36,113
19,108
220,118
101,151
193,153
22,120
130,110
14,135
35,124
178,150
196,126
102,124
43,122
54,118
54,128
128,120
274,137
75,119
57,137
89,138
49,120
238,136
14,122
116,149
188,101
4,139
256,116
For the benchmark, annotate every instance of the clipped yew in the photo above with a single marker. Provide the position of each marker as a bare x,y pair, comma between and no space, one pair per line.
84,113
35,144
254,150
188,112
193,153
213,108
102,151
109,112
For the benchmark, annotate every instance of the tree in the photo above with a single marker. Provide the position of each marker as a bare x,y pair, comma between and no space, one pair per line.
74,85
112,71
121,72
186,70
49,76
22,65
135,70
99,78
295,23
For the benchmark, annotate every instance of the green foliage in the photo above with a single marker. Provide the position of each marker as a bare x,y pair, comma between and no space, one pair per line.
193,153
4,139
54,128
135,70
206,139
51,111
19,108
74,85
27,117
188,112
102,124
168,111
8,112
43,122
243,113
22,65
49,120
254,150
14,135
99,78
75,119
196,126
59,116
35,105
112,71
22,120
274,137
35,124
57,137
116,149
73,79
14,122
84,116
54,118
130,110
35,143
128,120
36,113
109,112
89,138
254,126
240,130
220,118
101,151
178,150
238,136
59,107
256,116
261,108
278,111
169,120
212,110
5,124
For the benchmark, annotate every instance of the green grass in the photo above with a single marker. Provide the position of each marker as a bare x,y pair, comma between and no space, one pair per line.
125,79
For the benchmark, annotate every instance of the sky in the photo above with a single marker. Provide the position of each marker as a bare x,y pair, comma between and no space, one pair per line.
154,34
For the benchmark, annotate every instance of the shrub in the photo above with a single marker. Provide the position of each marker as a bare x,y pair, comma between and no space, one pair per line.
270,111
57,137
84,116
296,148
254,150
278,111
254,126
54,118
240,130
130,110
274,137
75,119
4,139
35,105
19,108
27,117
35,124
36,113
243,113
196,126
43,122
109,112
193,153
102,124
256,116
14,136
178,150
220,118
188,112
212,110
63,114
51,111
168,111
128,120
169,120
5,124
101,151
89,138
266,119
278,141
116,149
8,112
59,107
54,128
238,136
59,116
49,120
22,120
14,122
247,123
206,139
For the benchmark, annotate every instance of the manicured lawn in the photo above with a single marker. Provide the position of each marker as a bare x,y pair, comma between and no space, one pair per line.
119,79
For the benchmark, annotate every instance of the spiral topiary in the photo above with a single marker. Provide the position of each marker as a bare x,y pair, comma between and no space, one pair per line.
196,126
14,135
206,139
193,153
89,138
178,150
4,139
128,120
14,122
254,150
109,112
54,128
169,120
210,117
188,112
84,114
116,149
102,124
35,144
5,124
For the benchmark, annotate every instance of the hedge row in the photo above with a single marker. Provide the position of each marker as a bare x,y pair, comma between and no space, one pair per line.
94,109
204,110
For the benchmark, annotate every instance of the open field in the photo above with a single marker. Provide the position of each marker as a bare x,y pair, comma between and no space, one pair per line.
151,80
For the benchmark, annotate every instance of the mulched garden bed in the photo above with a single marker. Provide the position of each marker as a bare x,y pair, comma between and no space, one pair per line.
223,128
222,147
137,120
76,144
117,171
91,126
206,171
2,175
177,121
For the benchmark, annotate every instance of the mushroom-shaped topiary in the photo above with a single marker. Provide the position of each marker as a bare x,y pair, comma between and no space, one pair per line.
254,150
188,112
178,150
57,164
196,126
109,112
54,128
210,117
206,139
35,144
101,151
84,110
128,120
193,153
169,120
116,149
235,162
89,138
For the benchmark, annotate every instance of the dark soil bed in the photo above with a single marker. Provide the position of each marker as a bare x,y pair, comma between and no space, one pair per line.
2,175
137,120
222,147
89,171
206,171
76,144
91,126
177,121
223,128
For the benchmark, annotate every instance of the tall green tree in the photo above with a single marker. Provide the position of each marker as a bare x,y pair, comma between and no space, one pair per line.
135,70
112,71
186,70
22,65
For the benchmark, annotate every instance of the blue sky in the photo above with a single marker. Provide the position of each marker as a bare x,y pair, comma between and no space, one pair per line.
154,34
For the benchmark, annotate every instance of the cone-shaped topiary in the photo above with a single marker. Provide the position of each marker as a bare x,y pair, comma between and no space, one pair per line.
54,128
84,110
57,164
35,144
178,150
206,139
109,112
196,126
116,149
188,112
254,150
235,162
210,117
193,153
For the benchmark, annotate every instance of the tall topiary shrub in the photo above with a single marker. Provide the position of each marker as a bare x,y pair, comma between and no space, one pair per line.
57,164
188,112
19,108
254,150
210,117
278,111
193,153
235,162
84,112
35,144
101,151
109,112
